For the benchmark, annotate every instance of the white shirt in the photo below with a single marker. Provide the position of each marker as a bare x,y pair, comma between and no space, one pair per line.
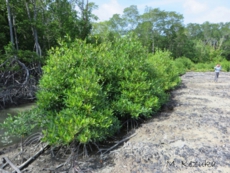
217,69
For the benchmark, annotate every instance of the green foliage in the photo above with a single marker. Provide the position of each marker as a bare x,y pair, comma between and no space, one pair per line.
44,22
225,64
86,91
73,97
167,72
29,57
131,90
8,51
204,67
22,124
183,64
25,56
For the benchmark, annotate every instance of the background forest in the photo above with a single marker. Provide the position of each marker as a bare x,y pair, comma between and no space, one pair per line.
93,76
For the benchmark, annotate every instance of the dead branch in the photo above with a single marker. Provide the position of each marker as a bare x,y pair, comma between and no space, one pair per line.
26,163
3,166
12,165
31,159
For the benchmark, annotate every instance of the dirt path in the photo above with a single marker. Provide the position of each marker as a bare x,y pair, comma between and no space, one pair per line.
194,137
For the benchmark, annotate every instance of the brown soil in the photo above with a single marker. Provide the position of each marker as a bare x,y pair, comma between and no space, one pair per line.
190,134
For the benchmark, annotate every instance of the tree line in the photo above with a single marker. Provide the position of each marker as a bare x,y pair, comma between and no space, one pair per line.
165,30
36,26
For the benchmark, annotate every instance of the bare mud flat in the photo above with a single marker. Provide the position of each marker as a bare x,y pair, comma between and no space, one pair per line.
191,134
193,137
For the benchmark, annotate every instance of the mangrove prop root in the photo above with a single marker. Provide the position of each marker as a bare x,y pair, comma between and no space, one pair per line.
18,81
118,143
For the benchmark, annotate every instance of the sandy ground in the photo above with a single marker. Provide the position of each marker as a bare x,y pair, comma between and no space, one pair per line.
190,134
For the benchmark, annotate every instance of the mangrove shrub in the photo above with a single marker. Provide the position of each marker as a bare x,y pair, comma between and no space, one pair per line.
87,91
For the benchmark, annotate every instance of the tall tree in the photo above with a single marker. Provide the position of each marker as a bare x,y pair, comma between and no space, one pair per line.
131,17
117,24
33,21
165,30
4,29
10,22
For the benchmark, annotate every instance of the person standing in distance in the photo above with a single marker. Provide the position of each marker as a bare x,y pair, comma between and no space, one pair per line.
217,71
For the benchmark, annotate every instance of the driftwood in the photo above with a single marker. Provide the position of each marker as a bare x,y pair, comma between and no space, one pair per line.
12,165
3,166
18,169
31,159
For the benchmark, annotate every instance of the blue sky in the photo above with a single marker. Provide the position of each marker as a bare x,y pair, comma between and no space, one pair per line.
194,11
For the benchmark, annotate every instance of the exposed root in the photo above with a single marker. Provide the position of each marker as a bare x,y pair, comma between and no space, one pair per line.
34,138
131,124
64,158
18,81
118,143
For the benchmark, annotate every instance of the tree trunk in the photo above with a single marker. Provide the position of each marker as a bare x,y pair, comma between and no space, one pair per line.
10,23
15,33
34,30
37,45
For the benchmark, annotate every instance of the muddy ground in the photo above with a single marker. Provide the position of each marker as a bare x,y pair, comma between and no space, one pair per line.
190,134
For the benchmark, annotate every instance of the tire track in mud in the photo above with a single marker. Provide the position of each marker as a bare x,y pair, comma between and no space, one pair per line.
193,137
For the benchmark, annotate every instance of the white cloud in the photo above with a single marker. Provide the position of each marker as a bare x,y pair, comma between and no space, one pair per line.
218,14
158,3
194,7
107,10
194,11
